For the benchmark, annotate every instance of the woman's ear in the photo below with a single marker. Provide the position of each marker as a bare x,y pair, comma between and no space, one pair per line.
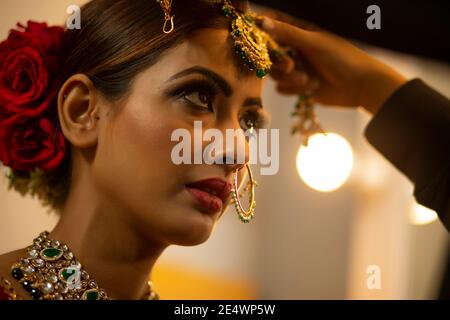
78,111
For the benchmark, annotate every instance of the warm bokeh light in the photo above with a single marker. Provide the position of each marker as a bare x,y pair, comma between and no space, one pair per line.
326,163
420,215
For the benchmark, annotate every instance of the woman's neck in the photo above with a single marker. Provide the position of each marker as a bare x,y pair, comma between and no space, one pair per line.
108,245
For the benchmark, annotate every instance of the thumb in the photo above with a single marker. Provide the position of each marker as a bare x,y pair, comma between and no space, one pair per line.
285,33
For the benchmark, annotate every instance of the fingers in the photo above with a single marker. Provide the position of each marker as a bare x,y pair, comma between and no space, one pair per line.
285,33
285,64
290,73
282,16
296,82
270,13
291,89
295,78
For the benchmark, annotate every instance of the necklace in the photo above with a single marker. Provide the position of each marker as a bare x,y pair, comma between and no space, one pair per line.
51,272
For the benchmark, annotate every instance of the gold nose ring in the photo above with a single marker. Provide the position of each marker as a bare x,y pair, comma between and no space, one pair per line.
244,215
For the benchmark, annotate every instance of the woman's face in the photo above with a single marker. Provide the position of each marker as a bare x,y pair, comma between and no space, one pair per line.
195,81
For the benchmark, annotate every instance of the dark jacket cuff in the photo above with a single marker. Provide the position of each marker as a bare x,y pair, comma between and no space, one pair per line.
412,130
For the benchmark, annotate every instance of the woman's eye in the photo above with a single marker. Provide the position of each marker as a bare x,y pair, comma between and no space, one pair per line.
199,98
247,123
253,119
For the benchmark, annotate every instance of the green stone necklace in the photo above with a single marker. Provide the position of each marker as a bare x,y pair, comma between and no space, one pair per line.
51,272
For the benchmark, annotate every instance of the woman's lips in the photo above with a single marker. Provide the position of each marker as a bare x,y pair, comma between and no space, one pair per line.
211,194
208,202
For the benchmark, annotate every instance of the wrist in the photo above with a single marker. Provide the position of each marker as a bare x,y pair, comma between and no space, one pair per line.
380,85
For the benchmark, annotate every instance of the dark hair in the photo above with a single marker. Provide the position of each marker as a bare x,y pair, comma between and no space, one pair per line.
119,39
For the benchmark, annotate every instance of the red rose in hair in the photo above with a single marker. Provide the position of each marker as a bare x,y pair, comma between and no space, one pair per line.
33,143
29,61
35,34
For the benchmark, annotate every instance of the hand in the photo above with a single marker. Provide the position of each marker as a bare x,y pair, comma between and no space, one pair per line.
340,73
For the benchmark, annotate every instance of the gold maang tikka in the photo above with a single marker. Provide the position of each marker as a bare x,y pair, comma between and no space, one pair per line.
254,46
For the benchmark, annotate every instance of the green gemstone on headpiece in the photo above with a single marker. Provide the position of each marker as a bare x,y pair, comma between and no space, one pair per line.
251,43
261,73
226,10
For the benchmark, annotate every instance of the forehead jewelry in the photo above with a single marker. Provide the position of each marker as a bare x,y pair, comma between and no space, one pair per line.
252,44
166,5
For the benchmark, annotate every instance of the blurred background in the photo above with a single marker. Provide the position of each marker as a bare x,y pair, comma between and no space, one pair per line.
303,243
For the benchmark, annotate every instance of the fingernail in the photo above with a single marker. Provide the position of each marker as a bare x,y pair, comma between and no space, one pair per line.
268,24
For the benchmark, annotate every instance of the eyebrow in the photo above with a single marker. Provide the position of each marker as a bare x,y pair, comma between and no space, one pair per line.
218,80
253,102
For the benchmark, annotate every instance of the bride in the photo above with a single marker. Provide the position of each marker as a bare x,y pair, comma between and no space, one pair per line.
104,153
86,118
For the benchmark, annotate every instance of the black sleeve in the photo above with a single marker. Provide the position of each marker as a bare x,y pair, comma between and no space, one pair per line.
412,131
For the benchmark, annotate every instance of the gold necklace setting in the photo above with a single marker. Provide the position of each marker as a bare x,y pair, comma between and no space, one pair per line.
51,272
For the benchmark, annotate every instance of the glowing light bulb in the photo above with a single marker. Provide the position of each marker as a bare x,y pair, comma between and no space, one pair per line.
326,163
420,215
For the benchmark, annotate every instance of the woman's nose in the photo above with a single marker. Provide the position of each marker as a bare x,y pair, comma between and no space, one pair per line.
235,152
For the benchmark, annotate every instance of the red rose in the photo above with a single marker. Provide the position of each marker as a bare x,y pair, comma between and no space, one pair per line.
29,61
30,144
24,81
35,34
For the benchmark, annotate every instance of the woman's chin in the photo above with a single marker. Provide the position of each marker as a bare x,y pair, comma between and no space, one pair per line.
194,228
190,239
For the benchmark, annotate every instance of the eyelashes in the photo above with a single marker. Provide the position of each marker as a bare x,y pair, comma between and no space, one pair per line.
206,93
200,86
205,90
257,119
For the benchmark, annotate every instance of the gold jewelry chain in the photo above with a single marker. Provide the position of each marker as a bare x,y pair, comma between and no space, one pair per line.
166,5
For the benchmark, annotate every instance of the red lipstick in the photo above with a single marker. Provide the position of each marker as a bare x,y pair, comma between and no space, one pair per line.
211,194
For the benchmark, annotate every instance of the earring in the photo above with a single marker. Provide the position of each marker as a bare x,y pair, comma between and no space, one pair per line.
244,216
